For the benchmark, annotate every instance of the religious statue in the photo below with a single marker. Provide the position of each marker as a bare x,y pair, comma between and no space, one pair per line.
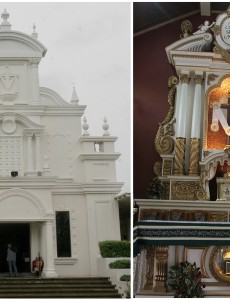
204,27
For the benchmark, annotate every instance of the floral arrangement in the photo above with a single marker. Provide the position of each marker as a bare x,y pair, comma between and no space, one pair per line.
186,281
155,189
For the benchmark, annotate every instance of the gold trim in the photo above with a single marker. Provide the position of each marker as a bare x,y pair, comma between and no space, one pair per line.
194,156
206,106
164,143
198,79
184,190
215,269
157,168
179,156
211,77
216,30
202,258
150,256
184,78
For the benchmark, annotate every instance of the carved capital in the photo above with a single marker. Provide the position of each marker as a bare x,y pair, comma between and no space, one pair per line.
198,79
184,78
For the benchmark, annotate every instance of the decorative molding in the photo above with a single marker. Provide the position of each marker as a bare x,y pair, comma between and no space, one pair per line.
194,156
150,256
211,77
161,269
164,143
157,168
184,190
179,156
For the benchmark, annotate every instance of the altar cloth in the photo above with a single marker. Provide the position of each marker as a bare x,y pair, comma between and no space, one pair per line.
165,233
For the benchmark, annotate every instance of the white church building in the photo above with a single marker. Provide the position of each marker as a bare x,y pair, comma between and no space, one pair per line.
57,183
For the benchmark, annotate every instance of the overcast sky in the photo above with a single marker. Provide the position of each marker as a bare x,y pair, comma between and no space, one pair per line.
88,46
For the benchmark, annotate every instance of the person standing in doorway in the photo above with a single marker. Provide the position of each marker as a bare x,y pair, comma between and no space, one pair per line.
11,259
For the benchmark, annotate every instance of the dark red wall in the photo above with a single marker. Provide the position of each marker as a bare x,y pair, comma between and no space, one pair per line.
151,72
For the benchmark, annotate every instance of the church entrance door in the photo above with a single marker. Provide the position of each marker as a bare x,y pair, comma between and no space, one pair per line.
17,234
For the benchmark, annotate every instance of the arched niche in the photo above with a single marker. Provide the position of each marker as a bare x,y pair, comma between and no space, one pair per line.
17,204
217,97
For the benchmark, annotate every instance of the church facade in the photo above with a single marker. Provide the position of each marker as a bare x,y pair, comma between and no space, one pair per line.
57,183
191,220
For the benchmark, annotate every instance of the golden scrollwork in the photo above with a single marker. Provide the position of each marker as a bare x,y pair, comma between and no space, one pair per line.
164,142
185,190
211,77
216,30
194,156
186,27
201,193
225,54
157,168
179,156
167,167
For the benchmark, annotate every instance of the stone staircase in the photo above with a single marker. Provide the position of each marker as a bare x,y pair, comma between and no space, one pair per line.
92,287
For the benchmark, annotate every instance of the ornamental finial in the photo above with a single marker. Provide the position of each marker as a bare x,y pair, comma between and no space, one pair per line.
105,127
74,99
5,15
5,26
34,34
85,126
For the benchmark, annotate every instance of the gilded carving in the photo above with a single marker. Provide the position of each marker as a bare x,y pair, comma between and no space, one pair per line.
150,255
167,167
184,215
219,216
157,168
206,153
164,143
194,156
179,156
216,30
184,78
201,194
186,27
215,268
198,79
185,190
225,54
166,189
211,77
161,268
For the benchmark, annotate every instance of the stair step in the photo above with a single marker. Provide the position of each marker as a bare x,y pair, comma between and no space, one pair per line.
82,287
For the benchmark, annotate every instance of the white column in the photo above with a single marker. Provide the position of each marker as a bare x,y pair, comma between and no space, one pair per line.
182,109
196,115
180,143
35,82
38,148
29,153
49,269
196,128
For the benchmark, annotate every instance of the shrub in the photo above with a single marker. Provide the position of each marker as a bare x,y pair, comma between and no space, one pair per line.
186,281
115,248
125,277
120,264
